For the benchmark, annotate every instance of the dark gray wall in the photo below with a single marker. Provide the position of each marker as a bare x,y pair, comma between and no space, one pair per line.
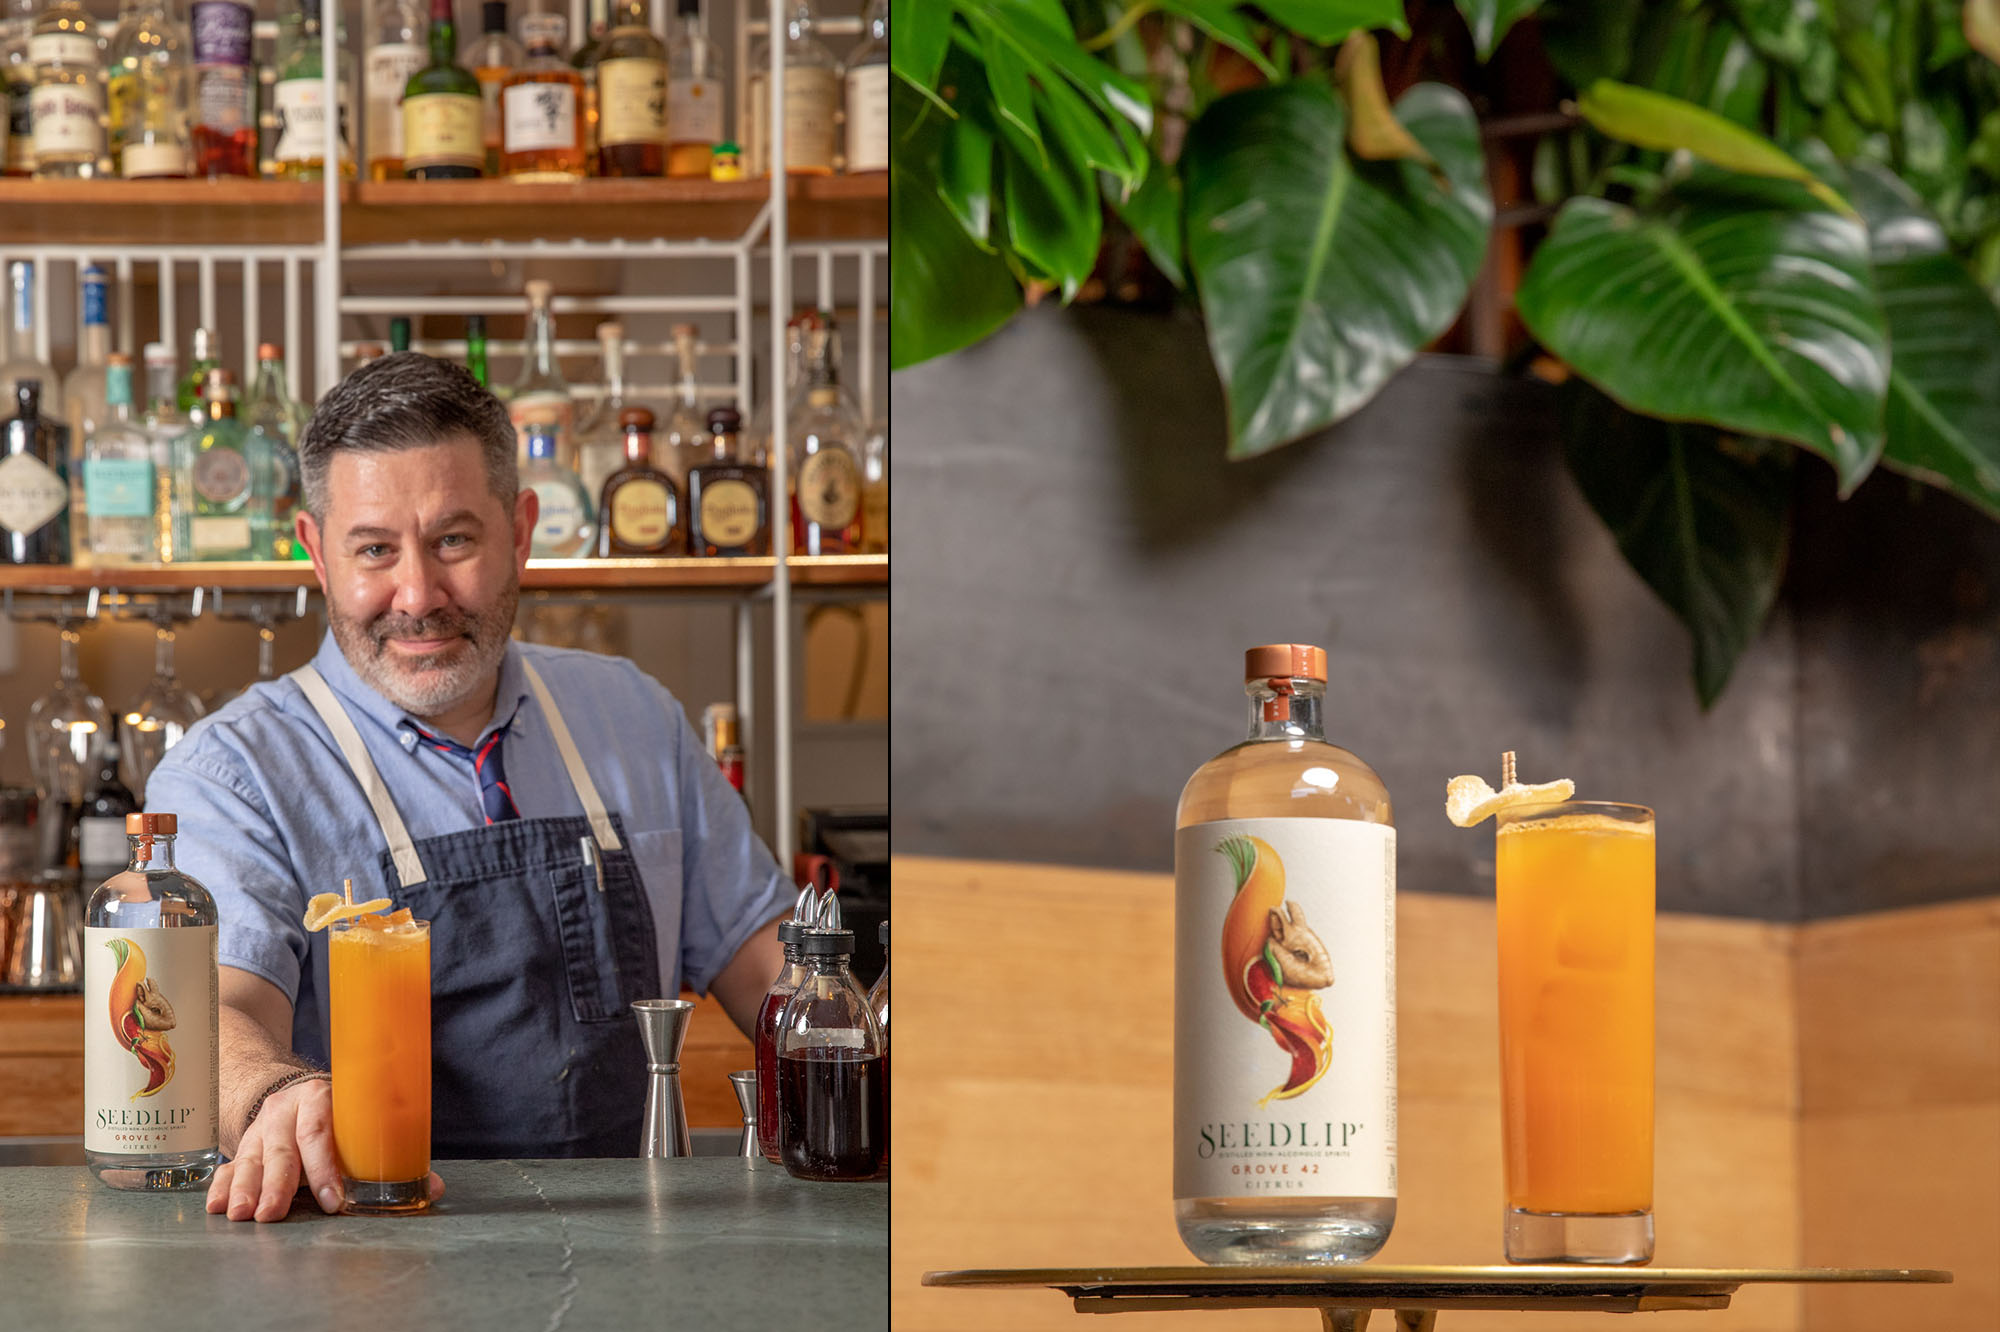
1079,570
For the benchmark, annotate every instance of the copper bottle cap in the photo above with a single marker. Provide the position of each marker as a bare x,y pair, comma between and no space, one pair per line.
635,418
1285,661
151,825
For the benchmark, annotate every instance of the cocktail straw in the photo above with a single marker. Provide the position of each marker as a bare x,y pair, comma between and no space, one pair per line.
347,890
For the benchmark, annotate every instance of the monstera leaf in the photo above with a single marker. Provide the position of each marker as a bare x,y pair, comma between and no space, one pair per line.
1943,421
1320,276
1738,302
1702,517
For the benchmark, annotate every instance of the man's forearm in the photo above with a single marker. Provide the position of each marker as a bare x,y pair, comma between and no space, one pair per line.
251,1060
741,986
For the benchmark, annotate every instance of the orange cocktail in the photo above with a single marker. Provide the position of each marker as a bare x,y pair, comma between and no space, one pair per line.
379,976
1575,900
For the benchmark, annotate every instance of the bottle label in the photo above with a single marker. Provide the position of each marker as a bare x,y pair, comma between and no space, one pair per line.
631,101
868,118
140,160
540,116
215,537
149,1064
101,842
118,487
444,129
301,108
1285,1009
550,28
68,119
642,513
222,98
728,513
31,494
812,96
694,110
63,48
221,33
389,67
561,514
829,488
221,475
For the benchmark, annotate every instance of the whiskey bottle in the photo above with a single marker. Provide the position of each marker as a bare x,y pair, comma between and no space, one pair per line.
119,488
597,23
541,108
396,53
1284,1146
812,99
825,472
443,116
639,514
148,76
729,501
492,56
34,483
631,96
150,1071
225,89
564,525
868,94
694,94
68,101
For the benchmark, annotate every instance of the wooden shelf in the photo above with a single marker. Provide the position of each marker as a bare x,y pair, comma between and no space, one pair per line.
542,575
269,212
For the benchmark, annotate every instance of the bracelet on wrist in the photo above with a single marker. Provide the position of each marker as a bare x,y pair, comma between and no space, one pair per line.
296,1075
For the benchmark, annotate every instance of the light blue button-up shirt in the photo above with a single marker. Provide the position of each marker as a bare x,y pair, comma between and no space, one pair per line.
270,814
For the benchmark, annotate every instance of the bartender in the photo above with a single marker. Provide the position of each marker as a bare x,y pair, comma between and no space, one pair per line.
550,812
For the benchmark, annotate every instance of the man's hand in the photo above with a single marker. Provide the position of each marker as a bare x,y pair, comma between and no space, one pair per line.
293,1132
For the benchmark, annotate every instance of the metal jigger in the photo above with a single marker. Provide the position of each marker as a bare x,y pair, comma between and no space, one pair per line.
663,1027
745,1084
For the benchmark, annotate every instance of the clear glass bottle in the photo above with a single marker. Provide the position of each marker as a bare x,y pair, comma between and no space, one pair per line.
541,386
696,98
1284,855
492,56
227,515
300,100
875,490
84,391
812,99
757,440
119,486
825,471
565,526
600,440
273,414
164,424
765,1039
34,482
22,363
584,62
686,434
542,108
68,101
878,1004
639,514
868,94
833,1121
17,83
149,74
631,95
395,52
444,116
729,498
225,89
150,1069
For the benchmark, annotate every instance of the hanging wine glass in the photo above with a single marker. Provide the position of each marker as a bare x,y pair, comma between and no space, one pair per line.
162,716
266,613
66,726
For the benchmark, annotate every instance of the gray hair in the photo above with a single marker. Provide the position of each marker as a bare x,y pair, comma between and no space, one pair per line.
406,400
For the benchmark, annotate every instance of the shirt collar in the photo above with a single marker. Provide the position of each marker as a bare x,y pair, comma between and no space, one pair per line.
346,682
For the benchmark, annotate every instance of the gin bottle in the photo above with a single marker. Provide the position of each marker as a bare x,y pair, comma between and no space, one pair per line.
300,99
119,487
541,389
227,514
1284,1147
273,414
34,483
564,526
150,1073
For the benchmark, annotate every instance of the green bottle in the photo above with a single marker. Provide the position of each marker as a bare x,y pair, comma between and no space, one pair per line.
399,335
194,387
444,115
475,348
224,470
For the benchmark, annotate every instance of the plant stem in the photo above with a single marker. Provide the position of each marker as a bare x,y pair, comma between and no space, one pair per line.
1125,23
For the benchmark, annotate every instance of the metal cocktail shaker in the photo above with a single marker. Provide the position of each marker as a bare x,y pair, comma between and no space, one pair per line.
663,1027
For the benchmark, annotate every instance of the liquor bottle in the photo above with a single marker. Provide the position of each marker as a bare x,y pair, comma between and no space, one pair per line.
868,94
100,831
812,99
719,723
1285,859
396,53
695,97
600,440
300,100
164,424
150,1070
193,393
764,1041
84,391
878,1004
492,56
832,1095
364,352
729,500
34,483
120,488
564,526
825,472
584,62
280,420
639,514
541,387
17,82
632,96
270,125
758,441
443,116
23,364
225,83
875,490
228,512
68,101
687,427
399,334
475,347
541,108
149,72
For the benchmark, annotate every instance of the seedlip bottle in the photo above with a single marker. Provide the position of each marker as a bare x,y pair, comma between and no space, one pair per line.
1285,987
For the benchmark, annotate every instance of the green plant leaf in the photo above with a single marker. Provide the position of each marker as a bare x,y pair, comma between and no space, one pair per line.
1153,211
1007,83
965,176
1736,302
1588,40
1648,119
1796,34
1489,21
1702,517
1050,50
944,291
1220,20
1054,222
1943,417
1321,277
919,33
1327,22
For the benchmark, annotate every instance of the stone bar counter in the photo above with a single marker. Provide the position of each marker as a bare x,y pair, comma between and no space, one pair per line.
709,1242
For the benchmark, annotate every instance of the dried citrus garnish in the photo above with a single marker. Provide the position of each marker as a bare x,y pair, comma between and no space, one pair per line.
1469,800
326,908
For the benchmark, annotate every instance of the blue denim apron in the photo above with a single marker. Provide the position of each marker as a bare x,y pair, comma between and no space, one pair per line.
541,937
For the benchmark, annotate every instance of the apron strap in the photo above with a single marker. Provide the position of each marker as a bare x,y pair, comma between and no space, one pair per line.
586,790
409,868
